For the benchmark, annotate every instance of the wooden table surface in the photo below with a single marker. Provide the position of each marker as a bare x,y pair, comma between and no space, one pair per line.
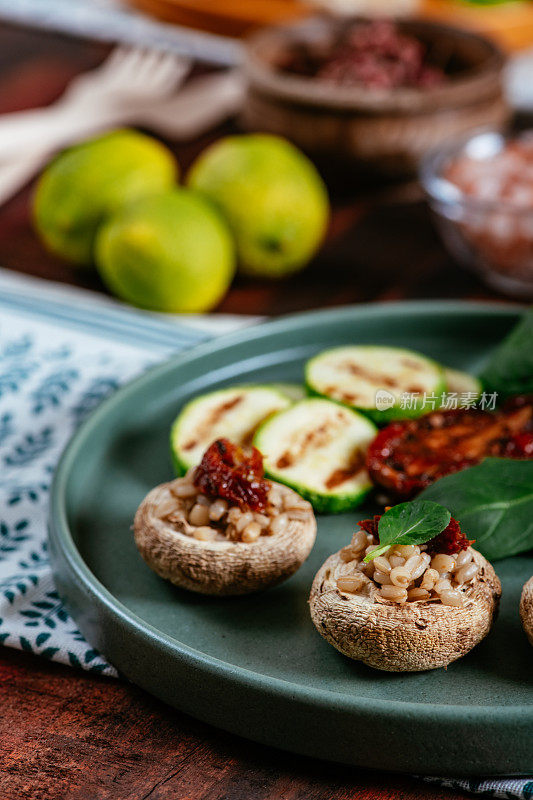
65,735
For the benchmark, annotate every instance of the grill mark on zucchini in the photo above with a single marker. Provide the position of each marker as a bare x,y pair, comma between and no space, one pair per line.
367,375
213,418
354,468
409,363
375,378
314,438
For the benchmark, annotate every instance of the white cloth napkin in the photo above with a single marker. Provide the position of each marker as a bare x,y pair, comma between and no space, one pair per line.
62,351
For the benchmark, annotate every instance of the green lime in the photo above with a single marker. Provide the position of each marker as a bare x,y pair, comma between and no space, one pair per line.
272,197
172,252
88,182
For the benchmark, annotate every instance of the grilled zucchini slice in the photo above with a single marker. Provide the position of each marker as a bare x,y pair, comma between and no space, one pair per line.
318,448
385,383
233,414
462,382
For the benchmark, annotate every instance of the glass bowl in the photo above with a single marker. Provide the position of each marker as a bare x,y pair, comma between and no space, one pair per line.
481,227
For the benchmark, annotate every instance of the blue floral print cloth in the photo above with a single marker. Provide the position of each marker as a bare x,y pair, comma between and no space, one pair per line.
62,352
58,361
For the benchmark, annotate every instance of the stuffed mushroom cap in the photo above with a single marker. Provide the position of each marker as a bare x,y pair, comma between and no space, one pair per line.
408,637
222,566
526,609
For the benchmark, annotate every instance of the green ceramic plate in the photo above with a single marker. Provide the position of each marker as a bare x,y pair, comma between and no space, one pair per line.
256,665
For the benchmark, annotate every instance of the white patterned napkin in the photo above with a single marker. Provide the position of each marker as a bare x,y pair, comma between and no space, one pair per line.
62,351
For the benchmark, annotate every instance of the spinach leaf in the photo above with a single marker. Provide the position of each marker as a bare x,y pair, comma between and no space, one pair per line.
510,369
410,523
493,502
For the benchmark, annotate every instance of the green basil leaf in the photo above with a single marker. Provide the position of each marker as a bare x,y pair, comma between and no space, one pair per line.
510,369
493,502
410,523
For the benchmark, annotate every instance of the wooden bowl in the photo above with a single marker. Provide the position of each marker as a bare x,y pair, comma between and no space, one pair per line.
390,129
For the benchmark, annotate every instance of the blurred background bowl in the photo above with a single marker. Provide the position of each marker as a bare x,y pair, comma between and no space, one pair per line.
390,129
494,237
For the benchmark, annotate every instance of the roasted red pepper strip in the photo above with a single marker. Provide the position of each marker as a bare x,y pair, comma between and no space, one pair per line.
234,474
409,455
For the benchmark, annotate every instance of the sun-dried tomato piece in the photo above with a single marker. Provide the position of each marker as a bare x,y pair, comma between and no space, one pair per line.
409,455
520,446
518,401
451,540
371,525
230,472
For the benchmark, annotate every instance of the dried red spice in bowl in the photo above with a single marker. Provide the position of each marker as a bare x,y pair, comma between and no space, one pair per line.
374,54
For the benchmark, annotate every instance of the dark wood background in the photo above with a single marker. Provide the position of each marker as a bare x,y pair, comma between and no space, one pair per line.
381,244
68,735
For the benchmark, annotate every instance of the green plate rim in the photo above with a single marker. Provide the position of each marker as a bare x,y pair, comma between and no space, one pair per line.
60,535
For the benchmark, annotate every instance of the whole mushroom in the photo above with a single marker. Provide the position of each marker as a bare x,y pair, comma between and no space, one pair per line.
408,637
202,559
526,609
